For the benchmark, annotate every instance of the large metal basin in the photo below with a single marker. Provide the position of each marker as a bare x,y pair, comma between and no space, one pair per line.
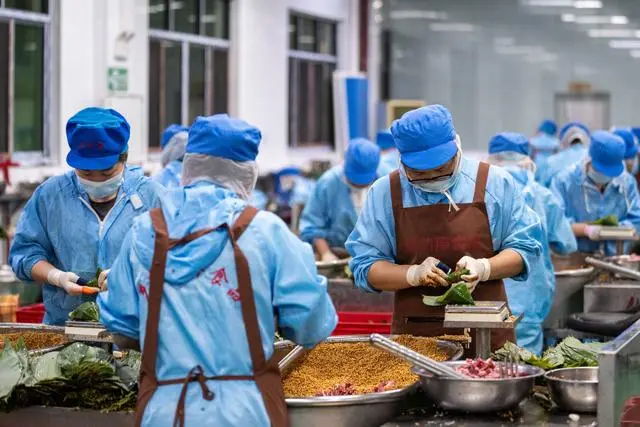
365,410
574,389
11,328
571,276
479,395
334,269
346,297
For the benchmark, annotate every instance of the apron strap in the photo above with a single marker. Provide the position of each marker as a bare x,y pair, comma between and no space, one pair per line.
481,182
396,190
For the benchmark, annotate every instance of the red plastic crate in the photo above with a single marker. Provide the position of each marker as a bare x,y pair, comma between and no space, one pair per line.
361,323
30,314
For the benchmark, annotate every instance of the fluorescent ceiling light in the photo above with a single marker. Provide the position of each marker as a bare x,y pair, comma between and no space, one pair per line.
598,19
452,27
418,14
520,50
624,44
588,4
635,53
568,17
614,34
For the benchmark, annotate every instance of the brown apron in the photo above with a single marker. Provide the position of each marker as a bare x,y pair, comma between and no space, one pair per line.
266,373
442,232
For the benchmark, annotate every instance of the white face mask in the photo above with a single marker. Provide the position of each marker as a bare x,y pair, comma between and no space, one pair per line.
102,191
597,177
358,197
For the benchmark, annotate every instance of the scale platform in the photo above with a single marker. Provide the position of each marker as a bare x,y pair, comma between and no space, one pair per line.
483,317
87,331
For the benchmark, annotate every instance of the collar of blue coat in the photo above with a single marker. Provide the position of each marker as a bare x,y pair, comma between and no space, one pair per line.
133,177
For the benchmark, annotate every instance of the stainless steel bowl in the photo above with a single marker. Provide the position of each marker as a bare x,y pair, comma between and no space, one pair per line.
574,389
364,410
631,262
333,269
479,395
11,328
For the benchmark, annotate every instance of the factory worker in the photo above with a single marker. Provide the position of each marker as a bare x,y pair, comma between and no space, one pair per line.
544,144
630,149
174,140
333,208
389,155
596,188
74,224
220,270
636,133
533,297
574,143
440,206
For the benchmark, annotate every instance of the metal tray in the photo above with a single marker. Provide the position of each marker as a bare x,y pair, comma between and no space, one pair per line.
11,328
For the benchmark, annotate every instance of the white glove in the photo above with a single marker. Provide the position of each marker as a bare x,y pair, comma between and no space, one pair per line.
427,274
329,256
64,280
102,279
479,271
593,232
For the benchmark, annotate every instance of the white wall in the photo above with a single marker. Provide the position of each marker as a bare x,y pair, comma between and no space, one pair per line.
259,71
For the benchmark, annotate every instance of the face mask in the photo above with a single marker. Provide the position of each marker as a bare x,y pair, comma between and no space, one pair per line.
521,175
442,184
597,177
358,197
99,191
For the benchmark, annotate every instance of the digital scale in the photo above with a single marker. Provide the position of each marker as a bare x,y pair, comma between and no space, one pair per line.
483,317
87,332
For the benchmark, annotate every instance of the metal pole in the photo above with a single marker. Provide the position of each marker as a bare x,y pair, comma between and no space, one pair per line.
483,342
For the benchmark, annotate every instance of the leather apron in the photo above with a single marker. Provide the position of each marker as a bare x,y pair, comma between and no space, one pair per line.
442,232
265,373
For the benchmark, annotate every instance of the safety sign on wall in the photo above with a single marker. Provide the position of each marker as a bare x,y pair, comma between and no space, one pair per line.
117,79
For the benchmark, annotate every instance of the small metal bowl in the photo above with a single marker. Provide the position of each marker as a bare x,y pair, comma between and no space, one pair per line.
574,389
479,396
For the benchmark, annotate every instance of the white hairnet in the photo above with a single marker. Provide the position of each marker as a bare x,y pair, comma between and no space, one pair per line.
575,133
175,148
240,177
512,158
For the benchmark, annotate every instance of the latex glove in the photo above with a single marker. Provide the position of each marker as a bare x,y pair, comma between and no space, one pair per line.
480,271
64,280
329,256
102,279
427,274
593,232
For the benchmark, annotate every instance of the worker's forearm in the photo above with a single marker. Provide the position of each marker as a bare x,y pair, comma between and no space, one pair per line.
321,246
40,271
386,276
579,229
507,263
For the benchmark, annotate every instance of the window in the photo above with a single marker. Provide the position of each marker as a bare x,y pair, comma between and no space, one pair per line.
23,86
312,61
188,62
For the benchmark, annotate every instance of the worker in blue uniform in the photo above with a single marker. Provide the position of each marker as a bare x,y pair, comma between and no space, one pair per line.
332,210
533,297
596,188
198,283
389,155
174,140
574,144
75,223
440,206
544,145
630,149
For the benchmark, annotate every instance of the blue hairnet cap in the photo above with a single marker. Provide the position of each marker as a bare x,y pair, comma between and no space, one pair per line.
630,147
566,128
549,127
97,137
636,133
384,139
361,161
170,132
425,137
508,141
223,136
607,153
289,171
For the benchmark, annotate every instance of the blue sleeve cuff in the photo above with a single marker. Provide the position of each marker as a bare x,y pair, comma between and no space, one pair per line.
24,273
524,275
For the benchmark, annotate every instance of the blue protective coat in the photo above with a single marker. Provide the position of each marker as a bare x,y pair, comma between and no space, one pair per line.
583,202
389,161
543,146
533,297
170,176
200,322
513,225
329,213
59,226
560,162
259,199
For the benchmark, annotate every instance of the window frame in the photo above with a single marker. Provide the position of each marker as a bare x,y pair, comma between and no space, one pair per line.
13,16
310,57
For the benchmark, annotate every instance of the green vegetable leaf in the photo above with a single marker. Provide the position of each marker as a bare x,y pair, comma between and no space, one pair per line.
456,276
609,220
46,367
457,294
10,370
86,312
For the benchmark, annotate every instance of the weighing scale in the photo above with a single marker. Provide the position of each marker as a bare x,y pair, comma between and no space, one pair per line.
87,332
483,317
